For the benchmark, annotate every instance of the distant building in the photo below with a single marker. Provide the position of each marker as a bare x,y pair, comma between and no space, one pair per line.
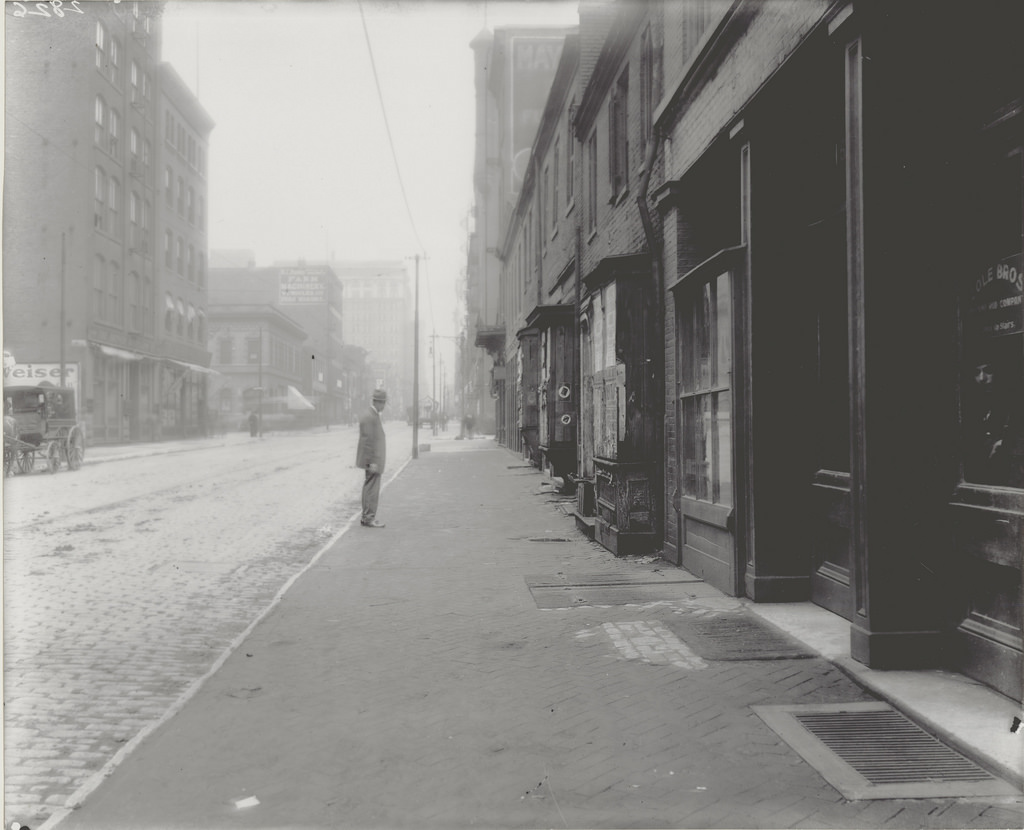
232,258
259,356
105,219
311,296
514,70
377,315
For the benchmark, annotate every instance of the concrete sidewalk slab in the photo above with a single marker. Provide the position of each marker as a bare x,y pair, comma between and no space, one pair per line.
408,679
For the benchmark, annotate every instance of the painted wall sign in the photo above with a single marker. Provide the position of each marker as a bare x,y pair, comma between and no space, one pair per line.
532,65
302,286
42,374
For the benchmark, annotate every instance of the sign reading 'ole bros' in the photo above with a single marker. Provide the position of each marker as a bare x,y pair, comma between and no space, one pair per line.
996,300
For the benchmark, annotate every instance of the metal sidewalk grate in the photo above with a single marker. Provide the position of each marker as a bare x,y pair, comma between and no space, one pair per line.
737,635
871,751
573,590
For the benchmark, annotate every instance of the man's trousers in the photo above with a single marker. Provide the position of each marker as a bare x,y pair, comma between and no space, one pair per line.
371,495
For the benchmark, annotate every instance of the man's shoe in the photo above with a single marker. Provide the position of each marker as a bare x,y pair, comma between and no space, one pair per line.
374,523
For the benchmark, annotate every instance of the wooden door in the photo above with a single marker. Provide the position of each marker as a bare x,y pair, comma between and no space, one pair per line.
706,336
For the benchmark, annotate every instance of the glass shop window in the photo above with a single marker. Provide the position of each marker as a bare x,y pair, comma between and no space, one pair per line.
704,321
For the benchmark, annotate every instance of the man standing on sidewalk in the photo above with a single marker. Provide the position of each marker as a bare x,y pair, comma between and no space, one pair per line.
370,455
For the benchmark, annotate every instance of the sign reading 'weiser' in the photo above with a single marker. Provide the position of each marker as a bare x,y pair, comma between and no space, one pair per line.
302,285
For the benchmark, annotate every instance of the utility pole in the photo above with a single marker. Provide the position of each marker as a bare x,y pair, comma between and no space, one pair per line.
259,411
433,383
416,366
327,351
63,324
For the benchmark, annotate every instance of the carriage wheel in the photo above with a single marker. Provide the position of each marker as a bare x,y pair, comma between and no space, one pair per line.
74,449
26,461
53,456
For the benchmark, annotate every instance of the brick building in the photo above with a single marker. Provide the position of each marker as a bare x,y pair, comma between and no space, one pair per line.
800,365
514,68
94,123
308,294
260,360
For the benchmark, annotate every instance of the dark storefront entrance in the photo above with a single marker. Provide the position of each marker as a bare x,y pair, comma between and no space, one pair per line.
849,383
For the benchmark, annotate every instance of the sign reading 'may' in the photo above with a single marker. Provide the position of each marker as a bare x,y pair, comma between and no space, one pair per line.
302,285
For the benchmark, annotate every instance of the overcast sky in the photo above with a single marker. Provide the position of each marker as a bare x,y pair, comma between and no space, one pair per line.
300,164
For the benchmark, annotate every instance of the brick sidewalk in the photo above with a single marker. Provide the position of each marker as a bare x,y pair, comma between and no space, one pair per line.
409,679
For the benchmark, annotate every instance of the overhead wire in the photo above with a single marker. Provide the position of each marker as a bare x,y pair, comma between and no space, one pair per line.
387,128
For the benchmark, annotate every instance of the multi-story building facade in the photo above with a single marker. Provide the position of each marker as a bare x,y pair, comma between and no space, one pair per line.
539,284
260,359
771,393
85,283
309,294
181,228
514,67
377,316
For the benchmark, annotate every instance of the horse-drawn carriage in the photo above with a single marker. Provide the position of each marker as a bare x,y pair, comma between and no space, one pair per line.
40,423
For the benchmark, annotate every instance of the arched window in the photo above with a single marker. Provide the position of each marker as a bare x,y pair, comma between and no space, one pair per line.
114,206
114,64
114,125
191,321
168,314
133,81
100,200
100,129
134,300
101,46
148,298
191,263
99,288
134,212
181,317
115,307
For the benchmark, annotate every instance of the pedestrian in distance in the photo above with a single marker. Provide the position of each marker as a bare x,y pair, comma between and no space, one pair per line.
371,452
253,421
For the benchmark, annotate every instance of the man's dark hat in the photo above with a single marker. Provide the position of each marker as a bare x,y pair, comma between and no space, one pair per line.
380,395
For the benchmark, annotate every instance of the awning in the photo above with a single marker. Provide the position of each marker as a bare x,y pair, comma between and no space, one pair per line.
195,367
111,351
296,400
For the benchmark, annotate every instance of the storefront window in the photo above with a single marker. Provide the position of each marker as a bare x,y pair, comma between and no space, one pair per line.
992,381
705,396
